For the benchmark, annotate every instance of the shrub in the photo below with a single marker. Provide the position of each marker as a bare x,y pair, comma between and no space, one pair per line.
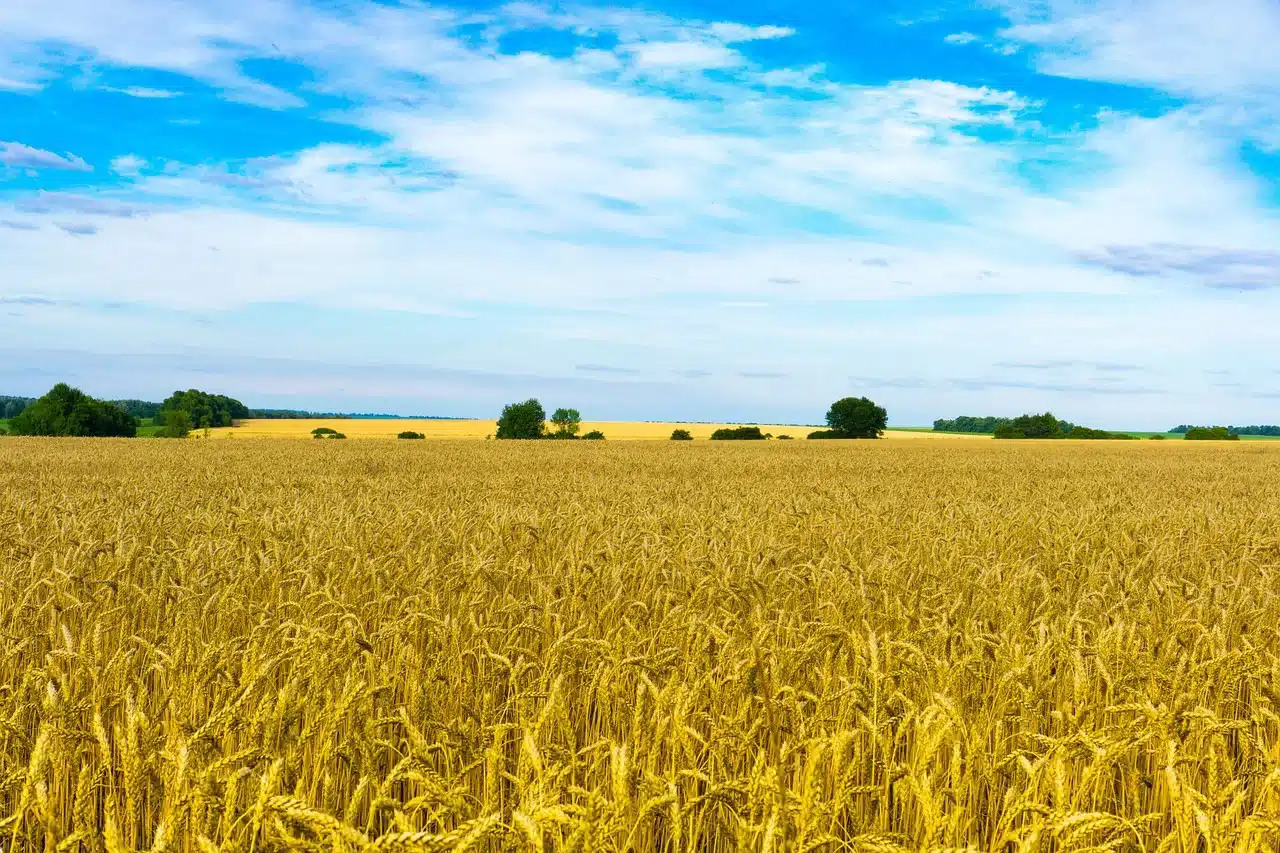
681,435
336,435
411,434
175,423
824,433
784,437
1157,438
1008,431
319,431
594,435
1218,433
567,421
745,433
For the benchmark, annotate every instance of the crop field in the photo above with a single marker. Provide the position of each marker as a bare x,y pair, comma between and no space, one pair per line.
262,646
389,428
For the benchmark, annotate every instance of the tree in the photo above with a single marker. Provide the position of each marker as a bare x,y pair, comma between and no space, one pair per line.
319,431
1218,433
1009,431
67,411
205,409
410,434
856,417
784,437
176,424
522,420
567,421
594,435
681,435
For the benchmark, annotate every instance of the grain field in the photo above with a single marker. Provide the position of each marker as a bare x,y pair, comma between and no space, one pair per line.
262,646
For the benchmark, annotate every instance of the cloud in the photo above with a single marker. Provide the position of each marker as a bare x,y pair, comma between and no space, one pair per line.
961,38
19,156
604,368
1216,267
144,92
26,300
694,373
78,229
730,32
876,262
62,202
128,165
18,226
1035,365
761,374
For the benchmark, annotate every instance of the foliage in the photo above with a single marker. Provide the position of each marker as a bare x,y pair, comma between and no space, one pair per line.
1157,438
1086,432
140,409
820,434
203,409
567,421
410,434
1218,433
742,433
247,646
784,437
11,407
174,424
594,435
969,423
1264,429
1009,431
681,435
856,417
522,421
67,411
336,435
319,431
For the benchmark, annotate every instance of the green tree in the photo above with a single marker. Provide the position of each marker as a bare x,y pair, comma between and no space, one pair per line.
67,411
594,435
205,409
857,417
681,435
176,423
1218,433
567,421
522,420
410,434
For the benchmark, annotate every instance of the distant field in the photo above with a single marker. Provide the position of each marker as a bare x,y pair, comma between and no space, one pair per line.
472,429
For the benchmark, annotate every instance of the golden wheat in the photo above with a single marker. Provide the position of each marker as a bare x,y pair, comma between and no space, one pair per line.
374,646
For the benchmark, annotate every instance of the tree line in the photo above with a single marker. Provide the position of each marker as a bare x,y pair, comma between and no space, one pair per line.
1263,429
528,420
68,411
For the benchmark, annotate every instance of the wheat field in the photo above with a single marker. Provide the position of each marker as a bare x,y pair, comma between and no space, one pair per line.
263,646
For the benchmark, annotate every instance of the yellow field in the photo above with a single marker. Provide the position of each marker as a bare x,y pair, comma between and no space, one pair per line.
828,646
389,428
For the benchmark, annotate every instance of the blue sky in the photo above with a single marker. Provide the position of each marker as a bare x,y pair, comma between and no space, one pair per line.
694,209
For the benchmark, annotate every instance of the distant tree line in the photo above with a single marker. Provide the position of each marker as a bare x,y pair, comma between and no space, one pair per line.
1265,429
1047,426
969,423
11,407
1217,433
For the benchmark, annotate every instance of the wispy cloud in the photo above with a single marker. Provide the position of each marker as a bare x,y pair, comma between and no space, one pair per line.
606,368
961,38
144,92
14,225
19,156
1238,269
78,229
62,202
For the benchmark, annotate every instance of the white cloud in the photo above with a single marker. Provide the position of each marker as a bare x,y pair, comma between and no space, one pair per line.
144,92
18,156
731,32
128,164
960,38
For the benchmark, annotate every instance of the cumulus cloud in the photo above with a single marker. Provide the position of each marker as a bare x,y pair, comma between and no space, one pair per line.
19,156
961,38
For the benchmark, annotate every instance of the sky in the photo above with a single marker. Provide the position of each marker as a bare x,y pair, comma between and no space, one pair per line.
686,209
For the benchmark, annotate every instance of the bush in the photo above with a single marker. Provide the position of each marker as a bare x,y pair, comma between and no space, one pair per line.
1218,433
319,431
784,437
411,434
681,435
173,424
594,435
1008,431
824,433
335,435
745,433
567,421
1157,438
